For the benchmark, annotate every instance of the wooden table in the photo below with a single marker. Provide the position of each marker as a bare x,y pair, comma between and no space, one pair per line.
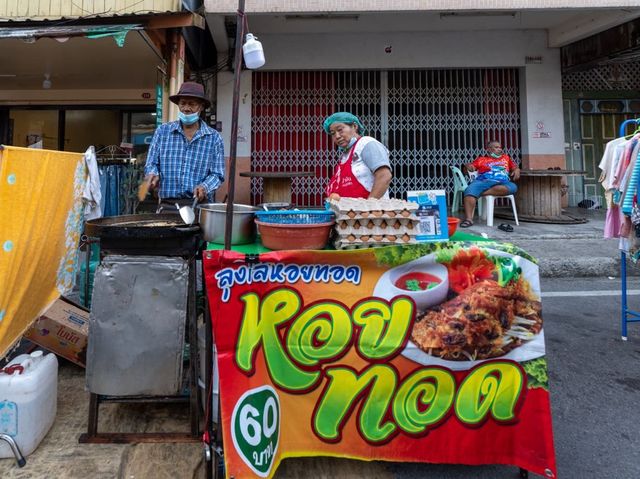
276,186
539,196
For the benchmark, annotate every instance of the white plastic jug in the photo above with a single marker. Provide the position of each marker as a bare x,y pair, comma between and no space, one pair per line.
28,400
252,52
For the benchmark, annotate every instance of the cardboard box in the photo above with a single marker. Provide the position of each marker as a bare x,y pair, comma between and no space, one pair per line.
63,329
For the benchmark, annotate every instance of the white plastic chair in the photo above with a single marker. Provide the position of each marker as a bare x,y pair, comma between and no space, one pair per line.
489,201
485,212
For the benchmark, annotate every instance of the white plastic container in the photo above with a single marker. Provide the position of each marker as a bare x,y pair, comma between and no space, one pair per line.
28,401
252,52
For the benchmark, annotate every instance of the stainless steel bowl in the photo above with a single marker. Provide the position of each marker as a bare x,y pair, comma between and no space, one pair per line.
213,218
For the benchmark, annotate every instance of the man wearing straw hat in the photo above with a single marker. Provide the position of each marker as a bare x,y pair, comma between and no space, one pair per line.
186,157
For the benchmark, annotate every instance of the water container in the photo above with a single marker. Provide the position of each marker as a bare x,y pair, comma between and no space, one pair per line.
252,52
28,400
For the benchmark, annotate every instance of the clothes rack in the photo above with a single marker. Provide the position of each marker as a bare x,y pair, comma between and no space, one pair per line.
628,315
120,175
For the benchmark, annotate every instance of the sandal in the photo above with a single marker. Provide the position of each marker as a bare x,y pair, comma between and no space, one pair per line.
505,227
466,224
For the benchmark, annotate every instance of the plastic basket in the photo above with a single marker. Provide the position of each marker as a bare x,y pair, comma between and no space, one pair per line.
295,217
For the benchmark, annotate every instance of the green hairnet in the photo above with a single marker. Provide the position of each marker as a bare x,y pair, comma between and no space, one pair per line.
343,117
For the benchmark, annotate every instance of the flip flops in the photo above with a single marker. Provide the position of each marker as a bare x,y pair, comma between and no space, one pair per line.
505,227
466,224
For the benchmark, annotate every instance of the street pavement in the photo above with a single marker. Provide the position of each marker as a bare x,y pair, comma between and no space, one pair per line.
563,250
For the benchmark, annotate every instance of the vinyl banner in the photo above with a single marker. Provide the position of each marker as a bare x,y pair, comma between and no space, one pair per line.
425,353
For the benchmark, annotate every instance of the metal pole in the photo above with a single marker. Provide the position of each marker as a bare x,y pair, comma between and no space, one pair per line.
234,124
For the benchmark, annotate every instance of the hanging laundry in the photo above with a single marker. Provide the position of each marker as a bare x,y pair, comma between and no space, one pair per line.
40,226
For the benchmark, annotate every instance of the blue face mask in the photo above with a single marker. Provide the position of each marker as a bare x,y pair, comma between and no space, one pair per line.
352,142
188,119
495,155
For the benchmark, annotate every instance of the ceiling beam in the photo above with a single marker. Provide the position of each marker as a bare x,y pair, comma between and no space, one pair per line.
583,26
175,20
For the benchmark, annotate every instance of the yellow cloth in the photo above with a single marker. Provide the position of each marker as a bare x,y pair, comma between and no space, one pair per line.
40,225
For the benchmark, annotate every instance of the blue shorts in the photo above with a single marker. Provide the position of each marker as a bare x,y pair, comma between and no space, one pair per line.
477,187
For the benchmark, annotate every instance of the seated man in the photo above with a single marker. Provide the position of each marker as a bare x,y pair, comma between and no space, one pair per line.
495,172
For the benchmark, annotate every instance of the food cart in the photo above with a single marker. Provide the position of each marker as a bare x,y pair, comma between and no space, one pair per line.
329,353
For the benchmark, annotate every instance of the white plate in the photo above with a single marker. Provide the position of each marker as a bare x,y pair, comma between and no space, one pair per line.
528,350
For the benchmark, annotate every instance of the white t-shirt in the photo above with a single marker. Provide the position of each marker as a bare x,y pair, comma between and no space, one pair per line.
368,156
609,162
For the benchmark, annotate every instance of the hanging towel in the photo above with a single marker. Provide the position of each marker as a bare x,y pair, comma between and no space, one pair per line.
92,194
40,224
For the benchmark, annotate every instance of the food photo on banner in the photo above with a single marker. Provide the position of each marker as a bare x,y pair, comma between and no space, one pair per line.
422,353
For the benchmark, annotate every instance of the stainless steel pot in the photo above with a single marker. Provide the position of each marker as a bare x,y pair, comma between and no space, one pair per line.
212,222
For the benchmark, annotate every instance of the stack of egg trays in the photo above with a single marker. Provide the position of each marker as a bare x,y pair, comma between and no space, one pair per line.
364,223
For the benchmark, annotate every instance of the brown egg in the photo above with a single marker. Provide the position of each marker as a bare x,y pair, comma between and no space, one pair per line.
392,237
377,237
356,225
409,226
376,213
397,225
351,238
383,225
371,225
343,225
405,213
365,237
405,237
351,214
334,196
364,214
391,214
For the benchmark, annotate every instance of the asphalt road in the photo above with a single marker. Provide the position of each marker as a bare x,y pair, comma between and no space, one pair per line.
594,383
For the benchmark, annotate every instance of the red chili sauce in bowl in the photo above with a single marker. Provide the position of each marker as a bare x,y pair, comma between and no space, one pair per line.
417,281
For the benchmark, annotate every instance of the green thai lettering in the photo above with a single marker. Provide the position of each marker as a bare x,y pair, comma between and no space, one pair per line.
493,387
423,399
259,327
339,397
320,333
384,326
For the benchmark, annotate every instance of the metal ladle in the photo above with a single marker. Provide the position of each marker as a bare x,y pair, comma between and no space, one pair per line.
187,213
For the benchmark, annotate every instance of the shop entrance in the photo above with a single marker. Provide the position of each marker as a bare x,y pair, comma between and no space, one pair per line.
429,119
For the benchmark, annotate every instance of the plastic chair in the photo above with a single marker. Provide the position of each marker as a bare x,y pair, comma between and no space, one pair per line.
460,184
489,201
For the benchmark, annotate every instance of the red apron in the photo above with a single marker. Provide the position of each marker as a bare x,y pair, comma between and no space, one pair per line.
344,182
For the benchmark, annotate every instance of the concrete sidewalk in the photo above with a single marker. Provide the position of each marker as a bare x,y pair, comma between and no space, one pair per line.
575,250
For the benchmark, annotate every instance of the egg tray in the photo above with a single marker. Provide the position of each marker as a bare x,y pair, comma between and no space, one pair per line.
372,207
394,224
376,230
384,216
359,244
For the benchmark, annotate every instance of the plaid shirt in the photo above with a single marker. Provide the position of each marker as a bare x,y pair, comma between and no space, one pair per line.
181,164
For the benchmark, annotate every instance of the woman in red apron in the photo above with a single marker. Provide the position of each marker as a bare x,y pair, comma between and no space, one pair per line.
364,170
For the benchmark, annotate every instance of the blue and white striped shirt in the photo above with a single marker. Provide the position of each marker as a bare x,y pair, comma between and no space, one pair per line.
182,164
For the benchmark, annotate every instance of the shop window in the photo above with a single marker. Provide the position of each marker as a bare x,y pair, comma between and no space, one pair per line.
84,128
34,128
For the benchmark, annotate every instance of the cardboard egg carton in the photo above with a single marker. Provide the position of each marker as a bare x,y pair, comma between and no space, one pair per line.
380,225
359,208
352,242
376,232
